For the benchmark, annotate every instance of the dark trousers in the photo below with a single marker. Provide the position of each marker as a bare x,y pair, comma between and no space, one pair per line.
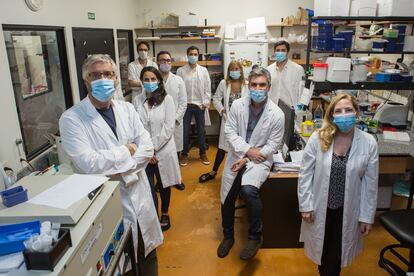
165,193
332,243
198,113
254,209
147,266
219,159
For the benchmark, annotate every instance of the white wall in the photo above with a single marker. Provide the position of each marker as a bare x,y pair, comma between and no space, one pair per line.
119,14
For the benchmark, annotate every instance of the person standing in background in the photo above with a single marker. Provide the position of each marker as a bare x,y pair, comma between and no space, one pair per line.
135,67
198,86
286,76
175,87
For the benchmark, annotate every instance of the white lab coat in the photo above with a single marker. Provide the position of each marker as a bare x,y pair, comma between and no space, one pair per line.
134,72
159,121
174,85
360,202
94,149
267,135
221,103
199,96
286,84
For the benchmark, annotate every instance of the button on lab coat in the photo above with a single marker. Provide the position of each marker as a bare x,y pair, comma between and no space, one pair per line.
221,103
94,149
267,135
360,202
286,84
160,123
175,87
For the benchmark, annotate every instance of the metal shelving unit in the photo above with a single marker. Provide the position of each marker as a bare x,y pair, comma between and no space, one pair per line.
368,85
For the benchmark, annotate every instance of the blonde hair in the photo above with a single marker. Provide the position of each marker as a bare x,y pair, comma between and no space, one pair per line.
238,64
328,129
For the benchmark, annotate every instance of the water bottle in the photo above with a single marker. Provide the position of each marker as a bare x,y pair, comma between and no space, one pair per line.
318,117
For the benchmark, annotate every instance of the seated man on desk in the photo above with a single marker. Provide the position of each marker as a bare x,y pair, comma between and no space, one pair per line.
254,130
105,136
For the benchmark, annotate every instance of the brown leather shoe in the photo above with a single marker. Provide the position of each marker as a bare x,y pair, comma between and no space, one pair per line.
204,159
183,160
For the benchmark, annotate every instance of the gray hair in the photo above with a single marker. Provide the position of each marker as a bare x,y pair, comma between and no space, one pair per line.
260,72
96,58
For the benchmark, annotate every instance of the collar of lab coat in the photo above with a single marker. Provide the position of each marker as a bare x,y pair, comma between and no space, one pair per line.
354,146
262,120
97,119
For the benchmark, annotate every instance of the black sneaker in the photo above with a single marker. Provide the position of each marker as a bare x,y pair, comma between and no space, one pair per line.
180,186
224,247
251,249
165,222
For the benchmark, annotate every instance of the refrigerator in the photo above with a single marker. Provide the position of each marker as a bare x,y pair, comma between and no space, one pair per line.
248,52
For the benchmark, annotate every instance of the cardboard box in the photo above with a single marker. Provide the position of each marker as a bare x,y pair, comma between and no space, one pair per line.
395,7
188,20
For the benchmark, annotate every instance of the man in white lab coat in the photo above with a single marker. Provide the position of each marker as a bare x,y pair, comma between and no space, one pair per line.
175,87
105,136
198,85
286,76
135,67
254,131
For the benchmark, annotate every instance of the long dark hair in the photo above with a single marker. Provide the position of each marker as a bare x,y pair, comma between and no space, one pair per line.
159,94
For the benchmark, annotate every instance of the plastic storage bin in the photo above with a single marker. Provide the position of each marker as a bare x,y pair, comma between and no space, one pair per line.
14,196
395,7
48,260
338,44
378,45
339,69
319,71
382,77
12,236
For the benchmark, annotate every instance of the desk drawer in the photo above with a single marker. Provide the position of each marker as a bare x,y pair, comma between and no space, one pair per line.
392,165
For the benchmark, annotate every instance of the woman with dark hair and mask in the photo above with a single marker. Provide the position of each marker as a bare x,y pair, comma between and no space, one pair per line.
156,110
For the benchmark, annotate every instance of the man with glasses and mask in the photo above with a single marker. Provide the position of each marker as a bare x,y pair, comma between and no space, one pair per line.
135,67
286,76
174,85
105,136
254,131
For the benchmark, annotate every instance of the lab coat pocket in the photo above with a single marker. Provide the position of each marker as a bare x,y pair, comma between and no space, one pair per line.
360,164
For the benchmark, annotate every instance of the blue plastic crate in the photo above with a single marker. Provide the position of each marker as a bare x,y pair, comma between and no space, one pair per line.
14,196
12,236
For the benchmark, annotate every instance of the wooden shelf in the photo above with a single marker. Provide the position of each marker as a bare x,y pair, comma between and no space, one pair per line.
178,27
174,38
283,25
202,63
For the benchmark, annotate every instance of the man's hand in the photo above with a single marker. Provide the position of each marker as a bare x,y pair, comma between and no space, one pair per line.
365,228
238,165
153,160
132,148
308,217
255,155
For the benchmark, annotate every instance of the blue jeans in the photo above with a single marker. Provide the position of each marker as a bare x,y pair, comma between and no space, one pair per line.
254,206
200,122
165,193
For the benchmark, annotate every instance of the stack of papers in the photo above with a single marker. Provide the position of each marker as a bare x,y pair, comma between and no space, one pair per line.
287,167
396,136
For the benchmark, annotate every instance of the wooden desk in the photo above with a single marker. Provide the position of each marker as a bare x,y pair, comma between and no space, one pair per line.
281,217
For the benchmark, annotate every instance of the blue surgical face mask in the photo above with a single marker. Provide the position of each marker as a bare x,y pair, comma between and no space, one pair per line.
280,56
235,75
345,122
192,59
103,89
150,86
257,96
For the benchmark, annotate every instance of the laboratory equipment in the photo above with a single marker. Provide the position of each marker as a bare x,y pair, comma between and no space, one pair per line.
289,134
319,71
339,69
318,117
6,176
247,52
392,113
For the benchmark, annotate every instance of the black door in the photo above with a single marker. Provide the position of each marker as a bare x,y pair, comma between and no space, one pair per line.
89,41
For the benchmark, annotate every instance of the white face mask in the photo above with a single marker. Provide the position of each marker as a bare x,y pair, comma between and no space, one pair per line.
143,54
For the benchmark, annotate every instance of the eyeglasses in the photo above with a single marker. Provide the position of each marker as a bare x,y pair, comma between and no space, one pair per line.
105,74
164,61
258,84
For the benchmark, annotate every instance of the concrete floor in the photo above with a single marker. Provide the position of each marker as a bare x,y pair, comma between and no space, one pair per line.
190,244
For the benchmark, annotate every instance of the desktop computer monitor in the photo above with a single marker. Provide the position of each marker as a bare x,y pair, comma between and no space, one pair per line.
289,135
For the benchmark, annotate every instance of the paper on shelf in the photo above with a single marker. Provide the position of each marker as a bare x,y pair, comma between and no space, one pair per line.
68,191
296,156
396,136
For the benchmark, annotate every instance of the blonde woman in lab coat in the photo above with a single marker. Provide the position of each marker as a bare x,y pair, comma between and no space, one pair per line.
233,87
156,110
337,188
105,136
